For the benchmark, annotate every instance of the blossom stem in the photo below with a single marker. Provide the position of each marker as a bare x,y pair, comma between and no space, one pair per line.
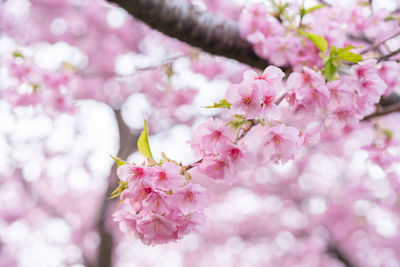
383,111
388,56
375,46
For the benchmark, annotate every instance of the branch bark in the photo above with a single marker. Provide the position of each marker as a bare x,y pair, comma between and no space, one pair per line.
187,23
127,145
336,252
384,111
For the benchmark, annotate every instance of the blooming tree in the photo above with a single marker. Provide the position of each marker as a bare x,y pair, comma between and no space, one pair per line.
292,156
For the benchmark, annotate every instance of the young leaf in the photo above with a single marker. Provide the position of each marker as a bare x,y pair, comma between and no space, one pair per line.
221,104
237,122
311,9
143,142
117,192
350,57
318,40
388,133
344,54
339,51
329,70
18,54
118,161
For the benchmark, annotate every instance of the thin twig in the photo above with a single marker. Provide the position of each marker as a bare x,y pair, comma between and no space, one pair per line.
375,46
388,56
383,111
324,2
110,74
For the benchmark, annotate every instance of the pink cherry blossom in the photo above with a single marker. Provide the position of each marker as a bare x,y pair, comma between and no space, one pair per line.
191,198
155,202
195,221
281,50
214,168
166,177
128,172
210,134
156,229
257,17
272,76
281,143
245,99
308,88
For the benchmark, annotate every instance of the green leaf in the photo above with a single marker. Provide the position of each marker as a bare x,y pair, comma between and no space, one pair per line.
330,70
221,104
311,9
350,57
389,18
388,133
339,51
117,192
344,54
118,161
237,122
143,142
17,54
318,40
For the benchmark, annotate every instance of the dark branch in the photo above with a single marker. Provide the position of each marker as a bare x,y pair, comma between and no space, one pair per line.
199,28
375,46
389,100
127,144
384,111
338,254
388,56
324,2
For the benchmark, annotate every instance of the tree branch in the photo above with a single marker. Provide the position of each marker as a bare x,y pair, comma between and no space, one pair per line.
384,111
187,23
127,145
334,250
388,56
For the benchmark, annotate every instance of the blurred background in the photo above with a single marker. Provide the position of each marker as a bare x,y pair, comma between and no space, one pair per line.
77,78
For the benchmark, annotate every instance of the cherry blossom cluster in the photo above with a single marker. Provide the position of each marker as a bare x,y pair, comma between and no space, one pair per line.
274,30
158,204
223,152
226,150
271,40
351,97
383,148
34,86
255,96
221,156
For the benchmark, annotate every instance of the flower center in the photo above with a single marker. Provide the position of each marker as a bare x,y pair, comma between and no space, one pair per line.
268,100
361,72
189,196
307,78
162,176
138,172
215,136
277,139
234,154
246,100
367,84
